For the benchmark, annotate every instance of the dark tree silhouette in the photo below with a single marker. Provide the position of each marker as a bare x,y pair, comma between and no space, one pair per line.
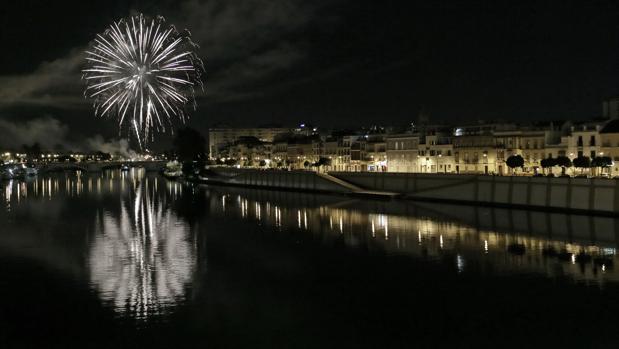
189,145
33,151
563,162
582,162
602,162
101,156
323,162
548,163
515,161
66,158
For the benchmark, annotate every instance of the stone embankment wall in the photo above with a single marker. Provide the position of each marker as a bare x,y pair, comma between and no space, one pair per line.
571,194
289,180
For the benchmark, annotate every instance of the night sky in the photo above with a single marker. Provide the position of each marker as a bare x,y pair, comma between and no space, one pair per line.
331,63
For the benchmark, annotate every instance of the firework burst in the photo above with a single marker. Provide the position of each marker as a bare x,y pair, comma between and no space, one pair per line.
144,73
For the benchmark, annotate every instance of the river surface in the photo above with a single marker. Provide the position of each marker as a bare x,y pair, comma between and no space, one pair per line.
131,260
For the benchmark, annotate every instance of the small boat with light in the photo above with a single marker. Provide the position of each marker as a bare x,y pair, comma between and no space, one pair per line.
173,170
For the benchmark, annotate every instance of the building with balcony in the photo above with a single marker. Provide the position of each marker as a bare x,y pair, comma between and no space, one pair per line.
609,138
402,152
435,154
303,152
476,154
584,140
376,152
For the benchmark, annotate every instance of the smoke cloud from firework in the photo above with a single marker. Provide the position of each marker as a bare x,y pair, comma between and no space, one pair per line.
144,73
51,134
47,131
116,147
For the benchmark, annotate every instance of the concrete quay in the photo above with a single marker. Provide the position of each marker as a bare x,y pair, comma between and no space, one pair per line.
576,195
595,196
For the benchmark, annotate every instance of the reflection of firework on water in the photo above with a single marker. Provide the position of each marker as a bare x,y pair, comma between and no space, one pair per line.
143,72
143,260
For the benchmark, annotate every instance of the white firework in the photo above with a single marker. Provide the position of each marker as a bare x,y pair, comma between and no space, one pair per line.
144,73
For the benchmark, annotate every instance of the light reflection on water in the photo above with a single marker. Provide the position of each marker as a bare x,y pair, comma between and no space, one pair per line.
429,234
142,254
143,259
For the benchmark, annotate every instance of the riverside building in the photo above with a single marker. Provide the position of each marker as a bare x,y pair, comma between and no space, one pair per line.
471,149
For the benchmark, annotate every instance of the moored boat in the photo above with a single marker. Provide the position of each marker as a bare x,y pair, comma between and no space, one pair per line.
173,170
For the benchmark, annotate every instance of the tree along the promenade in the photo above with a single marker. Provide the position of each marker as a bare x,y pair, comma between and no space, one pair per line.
563,162
548,163
190,149
189,145
322,162
515,161
33,151
101,156
582,162
602,162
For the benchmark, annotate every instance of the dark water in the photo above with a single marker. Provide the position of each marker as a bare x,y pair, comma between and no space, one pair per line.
130,260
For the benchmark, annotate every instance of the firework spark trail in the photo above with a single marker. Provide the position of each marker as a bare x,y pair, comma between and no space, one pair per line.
144,73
